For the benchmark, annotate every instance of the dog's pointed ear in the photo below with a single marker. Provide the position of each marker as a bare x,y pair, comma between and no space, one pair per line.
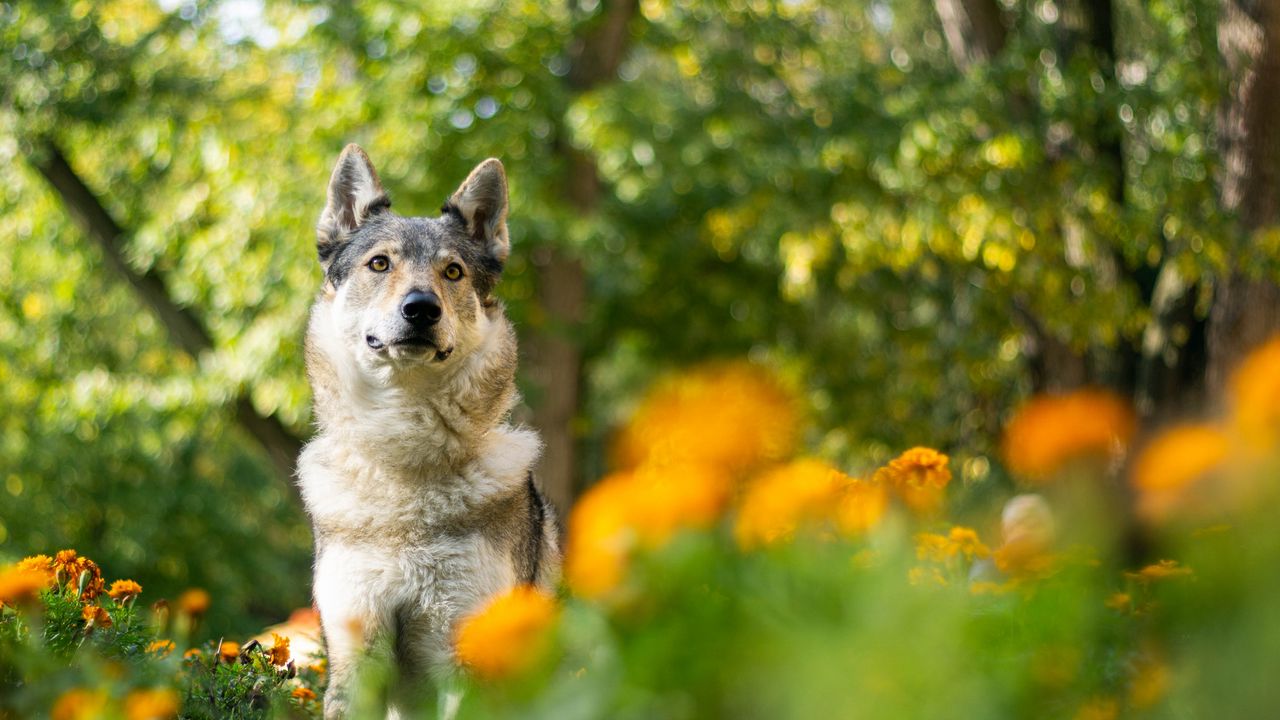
355,195
481,202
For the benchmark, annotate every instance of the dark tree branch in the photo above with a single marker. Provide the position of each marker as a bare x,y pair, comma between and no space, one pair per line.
974,29
187,332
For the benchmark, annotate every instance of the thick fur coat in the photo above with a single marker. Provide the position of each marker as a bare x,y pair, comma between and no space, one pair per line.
420,493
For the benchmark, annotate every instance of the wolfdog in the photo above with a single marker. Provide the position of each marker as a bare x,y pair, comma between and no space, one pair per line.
420,493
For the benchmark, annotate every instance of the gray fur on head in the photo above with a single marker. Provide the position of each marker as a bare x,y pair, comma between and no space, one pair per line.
481,203
355,194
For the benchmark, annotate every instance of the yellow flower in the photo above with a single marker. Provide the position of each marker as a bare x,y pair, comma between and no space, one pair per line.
1051,430
960,541
508,635
192,653
644,506
95,617
303,694
122,591
161,647
1170,465
79,704
228,651
20,584
777,502
194,602
151,704
861,507
729,415
1162,570
279,652
1254,393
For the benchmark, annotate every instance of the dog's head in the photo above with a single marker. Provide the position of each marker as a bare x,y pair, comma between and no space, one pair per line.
411,290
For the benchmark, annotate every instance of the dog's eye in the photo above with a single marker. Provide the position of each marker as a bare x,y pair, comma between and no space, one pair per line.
379,263
453,271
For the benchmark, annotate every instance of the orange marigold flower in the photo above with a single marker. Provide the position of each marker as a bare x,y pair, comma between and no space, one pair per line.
917,467
193,602
639,507
1051,430
151,704
161,647
1162,570
1254,393
228,650
734,416
21,584
861,507
1169,467
192,653
303,694
777,502
320,666
79,704
122,591
95,617
508,635
39,563
279,652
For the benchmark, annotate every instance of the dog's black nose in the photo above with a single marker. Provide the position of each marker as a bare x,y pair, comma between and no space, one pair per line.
421,309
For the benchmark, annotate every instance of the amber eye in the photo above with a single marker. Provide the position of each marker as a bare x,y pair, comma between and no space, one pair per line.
453,271
379,263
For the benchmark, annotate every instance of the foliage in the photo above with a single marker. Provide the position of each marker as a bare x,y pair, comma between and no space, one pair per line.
67,658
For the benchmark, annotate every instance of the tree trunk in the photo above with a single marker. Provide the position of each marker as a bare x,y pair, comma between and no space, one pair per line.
187,332
555,359
974,29
1246,310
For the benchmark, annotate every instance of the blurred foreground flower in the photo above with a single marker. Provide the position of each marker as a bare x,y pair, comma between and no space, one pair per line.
151,704
632,508
20,584
733,415
194,602
1052,430
778,501
1255,396
79,704
1168,468
508,635
862,506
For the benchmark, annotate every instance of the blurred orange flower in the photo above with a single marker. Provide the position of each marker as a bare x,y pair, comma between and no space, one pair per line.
862,505
122,591
1162,570
228,651
644,506
39,563
734,416
79,704
1051,430
303,694
161,647
1254,393
1168,468
959,541
507,635
778,501
917,467
21,584
151,704
193,602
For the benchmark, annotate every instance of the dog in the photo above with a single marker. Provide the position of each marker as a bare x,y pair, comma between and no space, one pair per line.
420,493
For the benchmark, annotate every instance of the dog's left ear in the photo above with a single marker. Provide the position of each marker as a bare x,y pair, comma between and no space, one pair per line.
481,200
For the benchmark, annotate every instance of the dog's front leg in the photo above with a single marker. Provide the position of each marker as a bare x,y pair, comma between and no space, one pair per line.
345,638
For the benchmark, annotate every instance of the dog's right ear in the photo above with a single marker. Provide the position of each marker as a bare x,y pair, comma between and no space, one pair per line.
355,195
